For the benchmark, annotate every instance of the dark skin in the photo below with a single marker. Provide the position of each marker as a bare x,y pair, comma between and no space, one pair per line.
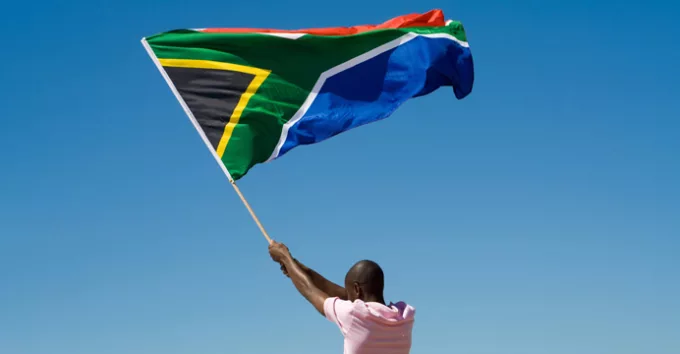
364,281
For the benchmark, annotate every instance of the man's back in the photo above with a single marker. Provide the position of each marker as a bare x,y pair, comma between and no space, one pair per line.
371,327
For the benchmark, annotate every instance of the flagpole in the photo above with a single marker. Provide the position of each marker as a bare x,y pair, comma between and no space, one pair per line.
250,210
204,137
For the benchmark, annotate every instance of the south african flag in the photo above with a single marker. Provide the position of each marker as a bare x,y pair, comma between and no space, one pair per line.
255,94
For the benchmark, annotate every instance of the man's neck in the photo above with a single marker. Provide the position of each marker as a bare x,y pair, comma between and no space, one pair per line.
375,298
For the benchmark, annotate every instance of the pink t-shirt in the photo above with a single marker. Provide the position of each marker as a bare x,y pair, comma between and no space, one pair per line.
370,327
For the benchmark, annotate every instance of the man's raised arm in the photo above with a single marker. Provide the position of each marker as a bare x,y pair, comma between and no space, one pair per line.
327,286
302,281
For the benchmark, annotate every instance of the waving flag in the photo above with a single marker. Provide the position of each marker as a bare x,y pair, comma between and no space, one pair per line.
255,94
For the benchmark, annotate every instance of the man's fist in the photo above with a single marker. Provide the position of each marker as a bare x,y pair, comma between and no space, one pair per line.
279,252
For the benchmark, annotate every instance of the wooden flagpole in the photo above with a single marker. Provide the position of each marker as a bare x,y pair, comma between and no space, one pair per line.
250,210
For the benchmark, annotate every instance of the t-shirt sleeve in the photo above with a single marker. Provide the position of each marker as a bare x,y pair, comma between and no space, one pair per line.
339,312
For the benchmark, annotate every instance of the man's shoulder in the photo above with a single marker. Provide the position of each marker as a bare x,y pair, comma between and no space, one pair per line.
338,304
335,305
339,311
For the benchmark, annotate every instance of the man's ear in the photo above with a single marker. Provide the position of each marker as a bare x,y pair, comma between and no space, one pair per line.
357,290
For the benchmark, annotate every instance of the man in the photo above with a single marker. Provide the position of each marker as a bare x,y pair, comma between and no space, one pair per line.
359,310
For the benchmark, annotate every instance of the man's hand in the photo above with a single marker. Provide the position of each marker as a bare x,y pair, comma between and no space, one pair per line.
275,250
279,253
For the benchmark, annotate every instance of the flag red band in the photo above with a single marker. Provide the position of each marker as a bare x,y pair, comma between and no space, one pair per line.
433,18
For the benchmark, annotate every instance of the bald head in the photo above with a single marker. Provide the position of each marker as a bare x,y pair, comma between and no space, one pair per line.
365,281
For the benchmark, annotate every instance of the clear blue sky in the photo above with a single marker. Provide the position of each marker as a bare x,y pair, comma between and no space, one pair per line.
543,216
